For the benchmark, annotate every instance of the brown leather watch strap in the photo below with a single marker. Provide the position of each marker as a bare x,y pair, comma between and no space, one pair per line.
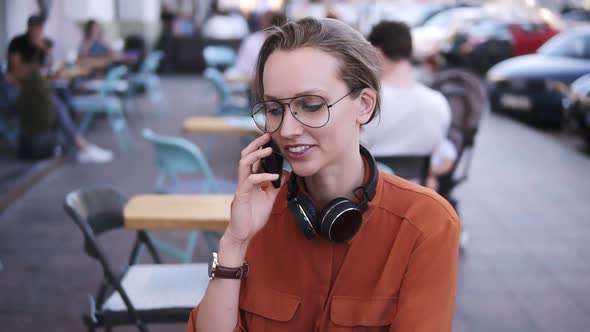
223,272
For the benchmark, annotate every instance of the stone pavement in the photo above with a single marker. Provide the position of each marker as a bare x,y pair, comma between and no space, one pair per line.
525,205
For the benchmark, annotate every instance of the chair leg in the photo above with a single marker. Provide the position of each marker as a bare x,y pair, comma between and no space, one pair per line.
86,122
118,127
212,239
153,251
169,249
141,327
190,247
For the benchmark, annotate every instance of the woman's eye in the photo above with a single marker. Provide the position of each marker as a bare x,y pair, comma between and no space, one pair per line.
276,111
312,107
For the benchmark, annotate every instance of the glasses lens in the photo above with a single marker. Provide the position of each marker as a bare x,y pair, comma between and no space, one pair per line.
268,115
312,111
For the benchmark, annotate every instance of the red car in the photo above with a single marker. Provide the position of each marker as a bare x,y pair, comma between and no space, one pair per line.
528,37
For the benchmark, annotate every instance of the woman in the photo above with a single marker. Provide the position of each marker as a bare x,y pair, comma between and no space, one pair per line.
311,263
93,43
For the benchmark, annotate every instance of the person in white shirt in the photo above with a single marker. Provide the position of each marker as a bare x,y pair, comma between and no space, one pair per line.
248,53
415,119
226,26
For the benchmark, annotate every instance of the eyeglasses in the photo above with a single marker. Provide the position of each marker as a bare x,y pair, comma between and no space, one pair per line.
310,110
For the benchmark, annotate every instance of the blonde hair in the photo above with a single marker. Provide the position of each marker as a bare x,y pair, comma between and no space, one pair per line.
358,67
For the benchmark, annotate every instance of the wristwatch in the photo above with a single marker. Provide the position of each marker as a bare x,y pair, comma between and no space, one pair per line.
222,272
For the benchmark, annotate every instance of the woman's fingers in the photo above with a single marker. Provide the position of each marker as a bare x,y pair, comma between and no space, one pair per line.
255,181
255,144
248,160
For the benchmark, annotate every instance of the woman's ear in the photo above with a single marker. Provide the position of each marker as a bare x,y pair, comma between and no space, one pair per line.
368,101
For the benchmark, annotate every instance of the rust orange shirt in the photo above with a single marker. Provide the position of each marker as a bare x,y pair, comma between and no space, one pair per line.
398,273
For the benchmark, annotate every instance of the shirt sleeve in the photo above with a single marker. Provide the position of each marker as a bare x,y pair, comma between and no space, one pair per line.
427,295
444,151
192,327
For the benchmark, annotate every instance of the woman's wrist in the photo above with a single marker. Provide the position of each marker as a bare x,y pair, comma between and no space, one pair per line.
231,252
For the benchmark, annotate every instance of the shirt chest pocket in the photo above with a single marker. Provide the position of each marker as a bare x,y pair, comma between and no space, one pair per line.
373,314
268,310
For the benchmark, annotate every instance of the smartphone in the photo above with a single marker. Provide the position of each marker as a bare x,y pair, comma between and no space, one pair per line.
273,163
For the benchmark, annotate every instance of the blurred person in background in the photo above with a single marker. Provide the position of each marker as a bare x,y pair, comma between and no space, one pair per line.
33,40
225,25
248,53
38,107
93,42
415,118
335,245
165,41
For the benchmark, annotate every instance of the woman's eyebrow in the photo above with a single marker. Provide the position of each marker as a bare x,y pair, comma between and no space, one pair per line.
303,93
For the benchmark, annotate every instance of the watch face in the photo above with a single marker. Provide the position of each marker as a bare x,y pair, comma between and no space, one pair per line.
212,264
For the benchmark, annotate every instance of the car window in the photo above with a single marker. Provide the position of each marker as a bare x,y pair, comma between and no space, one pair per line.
533,27
490,29
573,45
440,20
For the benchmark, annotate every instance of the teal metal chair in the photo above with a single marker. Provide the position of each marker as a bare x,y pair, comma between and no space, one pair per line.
176,156
105,101
218,55
147,79
227,106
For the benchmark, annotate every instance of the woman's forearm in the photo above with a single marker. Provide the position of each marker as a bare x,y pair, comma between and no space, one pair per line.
218,311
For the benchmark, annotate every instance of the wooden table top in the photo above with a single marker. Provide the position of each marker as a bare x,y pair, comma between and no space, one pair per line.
70,73
239,125
178,212
238,78
101,62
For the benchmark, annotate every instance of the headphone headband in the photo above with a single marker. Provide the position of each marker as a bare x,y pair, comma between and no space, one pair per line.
368,189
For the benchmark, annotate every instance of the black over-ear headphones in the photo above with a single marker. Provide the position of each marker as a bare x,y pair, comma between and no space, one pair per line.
341,218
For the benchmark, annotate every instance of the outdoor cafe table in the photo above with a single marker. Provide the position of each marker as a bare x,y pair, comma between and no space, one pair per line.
238,125
238,78
178,212
69,73
102,62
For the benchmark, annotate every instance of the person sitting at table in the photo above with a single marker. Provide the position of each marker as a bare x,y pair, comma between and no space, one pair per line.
93,42
34,37
415,118
339,245
39,109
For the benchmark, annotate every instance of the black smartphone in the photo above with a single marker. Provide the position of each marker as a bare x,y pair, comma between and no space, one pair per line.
273,163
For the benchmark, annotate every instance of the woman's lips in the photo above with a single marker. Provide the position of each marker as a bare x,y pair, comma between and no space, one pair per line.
298,151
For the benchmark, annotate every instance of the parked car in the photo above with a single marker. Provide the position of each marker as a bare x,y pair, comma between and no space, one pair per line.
484,43
413,15
575,17
577,105
530,84
417,15
429,38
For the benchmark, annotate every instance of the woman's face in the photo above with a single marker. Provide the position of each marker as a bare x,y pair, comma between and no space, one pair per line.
308,71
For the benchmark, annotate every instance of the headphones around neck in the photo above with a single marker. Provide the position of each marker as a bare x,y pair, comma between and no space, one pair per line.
341,218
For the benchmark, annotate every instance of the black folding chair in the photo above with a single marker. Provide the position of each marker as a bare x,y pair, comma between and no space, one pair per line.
142,293
413,168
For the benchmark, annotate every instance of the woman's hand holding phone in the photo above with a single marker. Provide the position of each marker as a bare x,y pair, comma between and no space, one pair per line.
252,202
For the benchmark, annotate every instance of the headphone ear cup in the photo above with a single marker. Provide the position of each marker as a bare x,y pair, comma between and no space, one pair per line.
340,219
305,215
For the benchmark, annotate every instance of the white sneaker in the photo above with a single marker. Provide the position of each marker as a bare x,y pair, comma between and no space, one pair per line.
94,154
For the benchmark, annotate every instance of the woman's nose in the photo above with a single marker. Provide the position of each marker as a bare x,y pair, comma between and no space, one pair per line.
290,126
